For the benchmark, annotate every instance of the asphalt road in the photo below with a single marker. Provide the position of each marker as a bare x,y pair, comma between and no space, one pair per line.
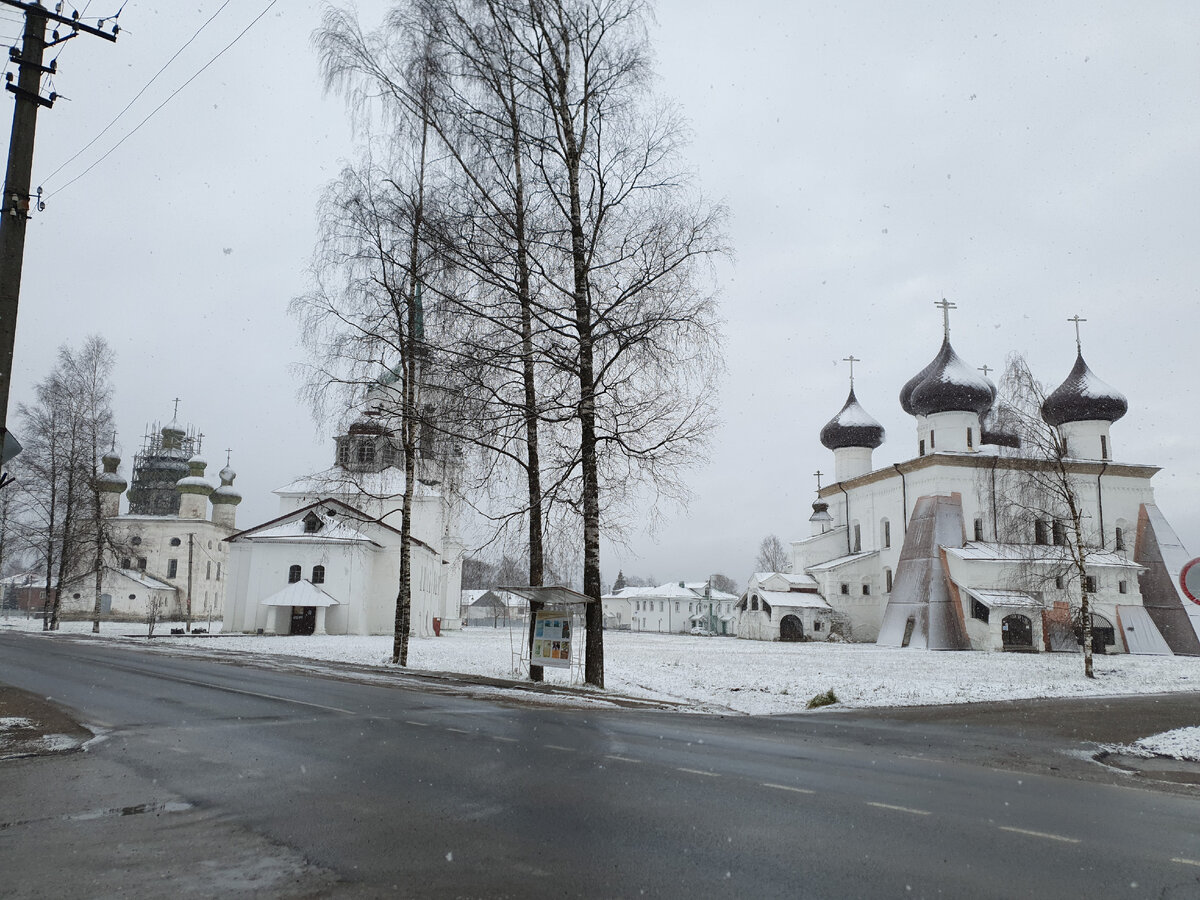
215,779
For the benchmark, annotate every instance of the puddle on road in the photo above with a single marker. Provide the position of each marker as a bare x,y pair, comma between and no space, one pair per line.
169,806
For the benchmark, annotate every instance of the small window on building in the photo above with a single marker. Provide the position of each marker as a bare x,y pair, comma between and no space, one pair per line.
817,625
932,444
970,439
133,596
135,540
866,590
142,563
1123,587
1059,582
366,453
76,596
845,588
1119,543
210,545
172,568
1103,447
1089,583
124,562
920,448
318,576
754,602
175,542
676,606
887,579
218,571
1059,534
343,453
312,523
979,529
887,534
1039,532
857,538
662,605
293,574
208,571
979,611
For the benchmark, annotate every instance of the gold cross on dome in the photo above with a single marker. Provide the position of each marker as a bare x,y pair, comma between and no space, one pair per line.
818,473
175,417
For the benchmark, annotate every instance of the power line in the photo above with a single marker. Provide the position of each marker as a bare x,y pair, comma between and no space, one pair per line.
145,88
170,97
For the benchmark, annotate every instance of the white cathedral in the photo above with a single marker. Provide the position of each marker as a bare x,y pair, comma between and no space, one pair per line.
926,553
329,563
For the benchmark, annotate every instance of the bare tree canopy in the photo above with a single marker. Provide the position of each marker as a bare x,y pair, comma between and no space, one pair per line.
772,555
572,253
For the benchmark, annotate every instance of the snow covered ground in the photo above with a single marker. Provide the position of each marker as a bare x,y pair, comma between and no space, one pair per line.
709,674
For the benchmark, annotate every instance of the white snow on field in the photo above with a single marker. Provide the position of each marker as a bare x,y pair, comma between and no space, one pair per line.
729,675
7,722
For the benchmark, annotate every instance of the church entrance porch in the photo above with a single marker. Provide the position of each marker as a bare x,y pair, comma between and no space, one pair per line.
304,620
791,628
1016,633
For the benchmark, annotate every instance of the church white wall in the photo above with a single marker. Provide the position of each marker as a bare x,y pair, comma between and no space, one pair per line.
1088,440
950,432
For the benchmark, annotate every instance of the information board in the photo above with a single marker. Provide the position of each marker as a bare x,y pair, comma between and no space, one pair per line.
552,639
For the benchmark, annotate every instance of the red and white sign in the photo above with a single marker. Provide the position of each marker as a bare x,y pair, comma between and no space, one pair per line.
1189,580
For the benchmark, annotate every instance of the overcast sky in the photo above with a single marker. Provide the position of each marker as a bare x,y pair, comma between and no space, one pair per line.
1026,162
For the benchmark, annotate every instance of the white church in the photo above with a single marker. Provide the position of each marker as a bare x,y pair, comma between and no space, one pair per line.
329,563
927,553
167,553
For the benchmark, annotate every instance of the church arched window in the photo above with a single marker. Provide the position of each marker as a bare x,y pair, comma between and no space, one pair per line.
887,580
885,534
1039,532
293,574
318,575
366,453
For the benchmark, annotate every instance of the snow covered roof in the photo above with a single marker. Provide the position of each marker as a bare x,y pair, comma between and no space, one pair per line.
852,427
300,593
336,481
992,598
337,531
473,594
1140,633
796,599
149,581
1037,553
947,384
697,587
340,523
1083,398
840,561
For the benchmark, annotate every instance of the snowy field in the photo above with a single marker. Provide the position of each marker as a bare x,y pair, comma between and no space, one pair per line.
724,675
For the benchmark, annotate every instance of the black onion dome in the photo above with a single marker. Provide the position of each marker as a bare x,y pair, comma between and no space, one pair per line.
912,384
852,427
1083,398
950,386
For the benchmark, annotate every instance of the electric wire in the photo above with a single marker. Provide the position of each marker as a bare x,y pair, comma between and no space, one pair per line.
170,97
145,88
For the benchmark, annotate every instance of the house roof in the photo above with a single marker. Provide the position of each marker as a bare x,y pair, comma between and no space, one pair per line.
841,561
350,525
1004,599
797,599
300,593
1044,554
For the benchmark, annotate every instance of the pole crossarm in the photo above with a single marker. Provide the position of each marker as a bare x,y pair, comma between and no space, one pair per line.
65,20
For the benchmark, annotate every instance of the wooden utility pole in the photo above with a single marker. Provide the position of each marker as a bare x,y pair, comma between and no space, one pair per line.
16,201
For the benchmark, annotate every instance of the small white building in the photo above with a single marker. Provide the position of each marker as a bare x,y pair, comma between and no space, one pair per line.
779,606
338,537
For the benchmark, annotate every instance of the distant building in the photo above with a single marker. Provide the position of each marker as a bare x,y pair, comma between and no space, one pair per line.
168,550
675,607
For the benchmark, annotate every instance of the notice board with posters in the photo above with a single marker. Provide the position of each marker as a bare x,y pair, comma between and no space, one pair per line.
552,639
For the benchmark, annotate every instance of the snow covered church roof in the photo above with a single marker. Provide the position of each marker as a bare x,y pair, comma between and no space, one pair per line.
852,427
1083,398
947,385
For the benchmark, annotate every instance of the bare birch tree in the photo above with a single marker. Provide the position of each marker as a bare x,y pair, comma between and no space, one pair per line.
772,555
1040,502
